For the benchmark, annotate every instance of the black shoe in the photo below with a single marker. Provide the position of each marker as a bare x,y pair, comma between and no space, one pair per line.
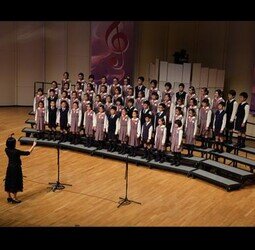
157,159
124,149
131,152
100,146
64,137
177,164
145,155
49,137
121,149
162,160
9,200
15,201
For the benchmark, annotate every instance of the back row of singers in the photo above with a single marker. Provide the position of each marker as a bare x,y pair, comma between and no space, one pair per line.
99,92
96,124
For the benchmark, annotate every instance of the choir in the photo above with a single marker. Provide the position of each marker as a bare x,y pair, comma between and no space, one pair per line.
139,116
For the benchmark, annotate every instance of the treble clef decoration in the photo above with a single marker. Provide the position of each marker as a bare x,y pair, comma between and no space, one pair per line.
118,43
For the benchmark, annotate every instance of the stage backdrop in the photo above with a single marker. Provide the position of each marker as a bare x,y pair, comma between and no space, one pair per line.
112,51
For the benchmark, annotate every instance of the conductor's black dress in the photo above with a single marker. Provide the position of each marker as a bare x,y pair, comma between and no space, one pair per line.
14,177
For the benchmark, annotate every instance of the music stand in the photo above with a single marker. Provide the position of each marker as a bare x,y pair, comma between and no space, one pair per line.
126,201
57,185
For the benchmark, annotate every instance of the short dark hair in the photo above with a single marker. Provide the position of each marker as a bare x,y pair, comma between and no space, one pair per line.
206,90
178,122
206,101
98,96
91,86
64,91
141,78
119,99
101,106
163,105
155,93
179,109
115,78
131,100
92,76
180,99
104,77
232,92
154,81
141,93
52,90
41,102
128,79
81,74
181,85
167,94
148,115
119,89
222,104
76,103
89,104
109,96
54,82
194,101
11,143
66,74
168,84
64,102
136,111
162,119
193,112
40,89
146,102
220,93
244,95
192,88
113,107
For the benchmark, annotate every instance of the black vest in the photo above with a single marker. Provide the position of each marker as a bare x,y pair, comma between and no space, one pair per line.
130,111
241,111
143,88
142,118
145,133
112,123
157,118
52,116
63,117
180,95
219,119
229,109
55,98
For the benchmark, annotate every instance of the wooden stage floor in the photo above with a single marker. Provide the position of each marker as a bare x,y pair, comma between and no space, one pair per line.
168,199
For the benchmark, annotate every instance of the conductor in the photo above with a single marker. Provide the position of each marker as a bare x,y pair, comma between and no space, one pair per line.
14,177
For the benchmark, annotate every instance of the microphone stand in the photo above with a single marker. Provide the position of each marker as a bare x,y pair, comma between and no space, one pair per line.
57,185
126,201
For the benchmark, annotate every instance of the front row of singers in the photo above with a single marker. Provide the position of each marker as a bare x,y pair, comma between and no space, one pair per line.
152,132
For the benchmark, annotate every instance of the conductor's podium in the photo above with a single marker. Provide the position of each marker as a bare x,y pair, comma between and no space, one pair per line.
229,177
